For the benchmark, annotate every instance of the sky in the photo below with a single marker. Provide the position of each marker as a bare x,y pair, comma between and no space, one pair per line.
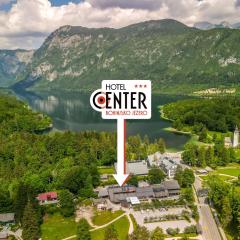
26,23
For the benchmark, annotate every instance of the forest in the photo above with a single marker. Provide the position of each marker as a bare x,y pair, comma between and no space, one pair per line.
32,162
226,199
216,114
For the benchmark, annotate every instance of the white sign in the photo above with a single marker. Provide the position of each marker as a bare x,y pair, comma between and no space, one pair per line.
121,100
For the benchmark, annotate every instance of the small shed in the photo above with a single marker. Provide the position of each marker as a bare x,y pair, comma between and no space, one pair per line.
133,200
3,235
7,218
100,204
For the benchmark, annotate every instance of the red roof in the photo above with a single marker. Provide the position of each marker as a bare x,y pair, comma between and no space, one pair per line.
47,196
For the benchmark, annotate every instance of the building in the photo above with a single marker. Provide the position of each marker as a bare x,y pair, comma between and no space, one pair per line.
47,198
228,142
7,218
138,168
168,162
3,235
100,204
129,194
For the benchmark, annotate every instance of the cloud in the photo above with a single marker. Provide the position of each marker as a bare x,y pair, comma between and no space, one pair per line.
126,4
28,22
237,3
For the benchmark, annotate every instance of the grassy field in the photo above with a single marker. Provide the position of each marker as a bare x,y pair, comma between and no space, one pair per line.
106,170
225,178
229,171
122,226
55,227
105,217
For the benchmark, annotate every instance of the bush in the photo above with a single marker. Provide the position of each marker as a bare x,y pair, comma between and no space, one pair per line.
190,229
173,231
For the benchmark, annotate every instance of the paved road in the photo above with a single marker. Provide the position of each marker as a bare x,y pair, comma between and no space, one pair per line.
209,227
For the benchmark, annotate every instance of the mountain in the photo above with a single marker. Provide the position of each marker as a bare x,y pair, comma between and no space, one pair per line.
175,57
204,25
208,25
12,62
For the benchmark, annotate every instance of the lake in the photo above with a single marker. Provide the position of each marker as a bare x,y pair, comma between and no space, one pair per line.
72,111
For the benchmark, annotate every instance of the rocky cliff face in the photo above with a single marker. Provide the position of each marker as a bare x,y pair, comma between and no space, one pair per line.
12,62
169,53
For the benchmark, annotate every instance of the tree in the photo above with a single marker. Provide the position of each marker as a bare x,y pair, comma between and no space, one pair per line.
188,178
111,233
157,234
161,145
179,175
66,203
203,135
140,233
209,156
30,223
133,180
201,157
156,175
20,201
83,230
189,155
5,201
87,190
226,212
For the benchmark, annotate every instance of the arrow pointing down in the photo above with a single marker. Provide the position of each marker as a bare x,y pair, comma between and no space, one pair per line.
121,176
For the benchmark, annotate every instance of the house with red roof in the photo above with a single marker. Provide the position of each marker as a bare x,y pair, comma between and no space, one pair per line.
47,198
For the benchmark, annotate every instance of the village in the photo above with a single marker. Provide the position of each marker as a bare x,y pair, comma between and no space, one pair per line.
177,210
151,205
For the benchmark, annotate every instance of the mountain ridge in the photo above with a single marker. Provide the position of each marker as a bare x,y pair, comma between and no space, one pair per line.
167,52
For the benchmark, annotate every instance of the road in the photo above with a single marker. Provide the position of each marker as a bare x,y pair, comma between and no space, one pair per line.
209,226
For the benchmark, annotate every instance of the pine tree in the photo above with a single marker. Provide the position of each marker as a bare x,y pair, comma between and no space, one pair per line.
20,201
201,157
226,212
111,233
209,156
161,145
157,234
30,223
140,233
66,203
83,232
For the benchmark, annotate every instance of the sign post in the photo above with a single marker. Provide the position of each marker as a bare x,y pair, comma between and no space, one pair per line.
122,100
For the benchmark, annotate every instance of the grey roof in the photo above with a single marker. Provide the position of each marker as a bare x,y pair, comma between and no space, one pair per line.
144,192
136,167
7,217
3,235
171,185
103,193
118,194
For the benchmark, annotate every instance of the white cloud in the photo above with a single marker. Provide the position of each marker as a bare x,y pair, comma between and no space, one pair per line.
30,21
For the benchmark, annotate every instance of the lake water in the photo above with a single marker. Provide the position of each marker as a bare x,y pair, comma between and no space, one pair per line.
72,111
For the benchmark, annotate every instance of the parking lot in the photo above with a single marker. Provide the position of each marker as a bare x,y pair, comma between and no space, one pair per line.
181,224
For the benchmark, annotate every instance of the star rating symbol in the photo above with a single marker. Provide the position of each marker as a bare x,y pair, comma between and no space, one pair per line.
140,86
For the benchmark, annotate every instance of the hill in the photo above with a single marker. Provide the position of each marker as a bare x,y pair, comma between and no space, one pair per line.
175,57
12,62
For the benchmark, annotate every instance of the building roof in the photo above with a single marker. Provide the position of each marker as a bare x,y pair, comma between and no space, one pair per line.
133,200
171,185
7,217
103,192
3,235
118,194
47,196
136,167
